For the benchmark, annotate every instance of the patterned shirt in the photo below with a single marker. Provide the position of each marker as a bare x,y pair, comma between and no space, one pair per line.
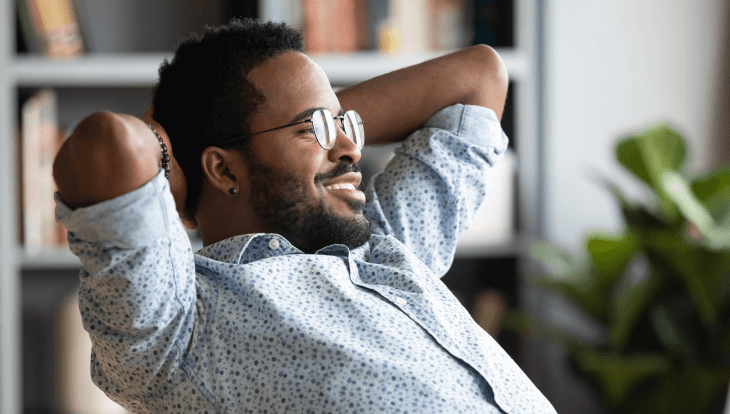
253,325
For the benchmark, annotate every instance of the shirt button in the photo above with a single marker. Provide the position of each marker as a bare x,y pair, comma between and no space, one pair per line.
273,244
401,301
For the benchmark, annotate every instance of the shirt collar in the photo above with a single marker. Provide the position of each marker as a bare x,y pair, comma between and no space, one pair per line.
247,248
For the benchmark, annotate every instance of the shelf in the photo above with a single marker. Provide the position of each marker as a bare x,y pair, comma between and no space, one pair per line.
55,258
88,70
140,70
517,247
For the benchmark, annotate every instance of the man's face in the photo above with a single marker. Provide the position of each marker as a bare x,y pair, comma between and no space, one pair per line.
297,188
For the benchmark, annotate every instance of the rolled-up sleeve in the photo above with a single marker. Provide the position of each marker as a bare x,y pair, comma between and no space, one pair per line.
429,192
137,293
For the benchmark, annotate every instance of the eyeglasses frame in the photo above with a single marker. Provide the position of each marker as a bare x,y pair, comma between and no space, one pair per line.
338,117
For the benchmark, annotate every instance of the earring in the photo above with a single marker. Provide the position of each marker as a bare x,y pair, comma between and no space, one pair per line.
233,191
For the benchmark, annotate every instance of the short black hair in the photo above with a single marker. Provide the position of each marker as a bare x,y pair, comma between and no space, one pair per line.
204,97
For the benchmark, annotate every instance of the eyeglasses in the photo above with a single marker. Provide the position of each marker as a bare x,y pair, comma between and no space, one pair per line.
323,124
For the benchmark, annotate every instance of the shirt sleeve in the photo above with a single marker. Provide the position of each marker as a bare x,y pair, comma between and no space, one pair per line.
429,192
137,291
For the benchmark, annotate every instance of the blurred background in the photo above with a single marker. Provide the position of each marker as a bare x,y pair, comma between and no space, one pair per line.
584,76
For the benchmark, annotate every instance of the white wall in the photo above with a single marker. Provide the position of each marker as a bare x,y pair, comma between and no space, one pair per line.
613,68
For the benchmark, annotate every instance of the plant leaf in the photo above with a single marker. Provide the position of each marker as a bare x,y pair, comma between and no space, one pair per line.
670,331
618,374
610,255
708,384
651,153
700,270
528,325
716,237
574,280
713,189
691,208
631,297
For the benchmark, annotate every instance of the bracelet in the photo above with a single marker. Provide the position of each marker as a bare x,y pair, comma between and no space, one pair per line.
165,160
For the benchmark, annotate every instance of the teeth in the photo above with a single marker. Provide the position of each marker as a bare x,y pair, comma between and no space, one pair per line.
344,186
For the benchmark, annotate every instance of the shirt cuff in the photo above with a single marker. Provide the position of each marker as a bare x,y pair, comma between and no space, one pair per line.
474,124
131,220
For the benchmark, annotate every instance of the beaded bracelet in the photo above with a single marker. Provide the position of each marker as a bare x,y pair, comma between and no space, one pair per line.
165,160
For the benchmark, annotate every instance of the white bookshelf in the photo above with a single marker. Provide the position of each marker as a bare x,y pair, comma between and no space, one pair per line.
139,70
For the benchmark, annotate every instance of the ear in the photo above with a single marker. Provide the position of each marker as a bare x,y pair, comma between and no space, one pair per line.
224,169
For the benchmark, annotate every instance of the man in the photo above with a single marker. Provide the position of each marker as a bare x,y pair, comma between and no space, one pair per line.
308,296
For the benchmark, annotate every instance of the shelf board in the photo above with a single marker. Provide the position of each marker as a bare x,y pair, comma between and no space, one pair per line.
140,70
51,258
516,247
128,70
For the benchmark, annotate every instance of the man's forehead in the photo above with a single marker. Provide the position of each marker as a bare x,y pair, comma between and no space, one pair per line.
293,87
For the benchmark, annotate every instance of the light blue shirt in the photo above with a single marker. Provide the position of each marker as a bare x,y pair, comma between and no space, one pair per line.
252,324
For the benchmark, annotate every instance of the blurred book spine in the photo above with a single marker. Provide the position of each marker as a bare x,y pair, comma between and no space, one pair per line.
389,26
50,27
40,141
335,26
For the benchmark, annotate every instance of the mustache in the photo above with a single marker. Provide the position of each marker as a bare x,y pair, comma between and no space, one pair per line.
339,169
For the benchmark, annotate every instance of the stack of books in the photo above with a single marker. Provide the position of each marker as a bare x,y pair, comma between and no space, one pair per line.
390,26
39,141
50,27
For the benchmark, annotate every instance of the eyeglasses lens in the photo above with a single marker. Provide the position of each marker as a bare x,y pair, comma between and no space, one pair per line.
324,128
326,131
354,128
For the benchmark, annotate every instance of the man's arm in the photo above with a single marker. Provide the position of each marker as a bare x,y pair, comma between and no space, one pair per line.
109,155
137,290
396,104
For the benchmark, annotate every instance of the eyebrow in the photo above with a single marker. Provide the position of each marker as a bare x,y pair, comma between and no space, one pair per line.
307,113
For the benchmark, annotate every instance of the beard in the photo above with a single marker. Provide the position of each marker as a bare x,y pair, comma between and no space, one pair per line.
280,200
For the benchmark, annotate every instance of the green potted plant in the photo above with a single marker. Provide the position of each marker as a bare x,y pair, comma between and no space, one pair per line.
666,342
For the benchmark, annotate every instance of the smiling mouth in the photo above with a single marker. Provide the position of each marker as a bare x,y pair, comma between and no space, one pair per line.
343,186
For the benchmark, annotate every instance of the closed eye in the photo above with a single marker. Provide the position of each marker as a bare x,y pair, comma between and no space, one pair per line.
309,130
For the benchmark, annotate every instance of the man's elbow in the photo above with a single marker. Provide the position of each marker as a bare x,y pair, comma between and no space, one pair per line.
83,155
491,80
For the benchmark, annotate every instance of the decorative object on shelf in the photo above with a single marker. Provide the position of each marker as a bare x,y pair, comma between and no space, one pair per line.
40,140
50,27
660,291
489,308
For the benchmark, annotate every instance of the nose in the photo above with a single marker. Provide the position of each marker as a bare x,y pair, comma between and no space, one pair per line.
344,149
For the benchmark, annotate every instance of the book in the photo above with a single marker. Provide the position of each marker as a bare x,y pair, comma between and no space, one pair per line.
39,143
334,26
50,27
447,19
416,26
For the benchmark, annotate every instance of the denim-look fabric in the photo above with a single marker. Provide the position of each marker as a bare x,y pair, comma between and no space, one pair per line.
253,325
